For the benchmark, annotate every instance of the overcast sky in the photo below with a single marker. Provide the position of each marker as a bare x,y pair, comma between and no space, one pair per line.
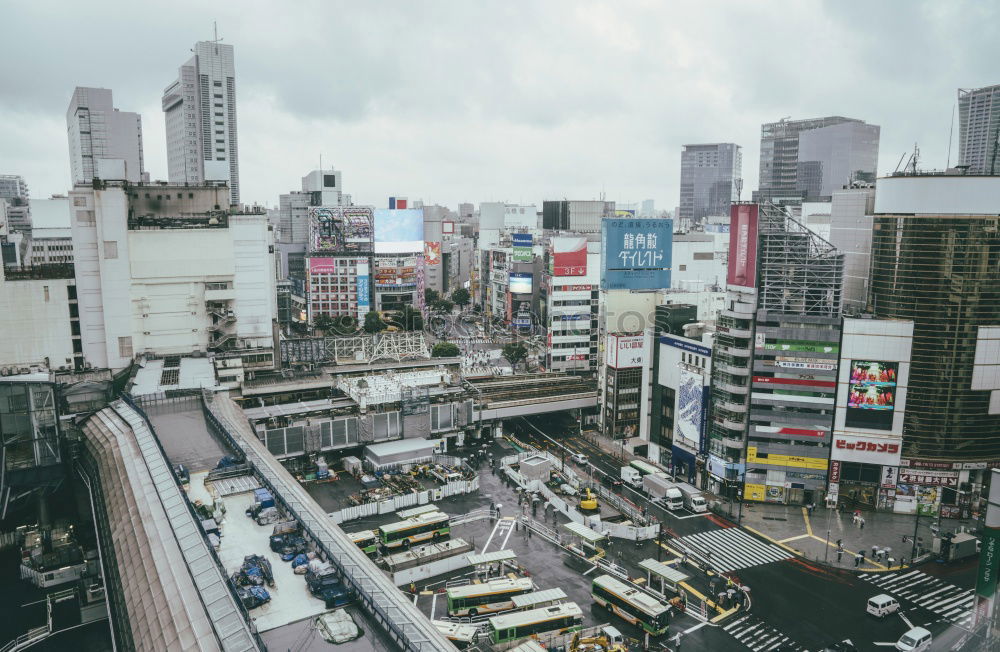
479,101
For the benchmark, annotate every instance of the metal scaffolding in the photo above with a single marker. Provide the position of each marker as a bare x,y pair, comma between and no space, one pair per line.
800,272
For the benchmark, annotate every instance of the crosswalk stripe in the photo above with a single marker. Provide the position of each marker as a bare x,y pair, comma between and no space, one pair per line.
758,635
730,549
932,593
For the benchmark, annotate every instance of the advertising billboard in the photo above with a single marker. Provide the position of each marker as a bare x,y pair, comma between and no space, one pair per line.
625,351
871,394
624,212
569,256
742,270
520,283
690,406
341,229
432,253
399,224
522,243
364,292
635,253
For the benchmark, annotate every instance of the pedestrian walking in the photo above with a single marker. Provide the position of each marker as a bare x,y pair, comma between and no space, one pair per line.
854,519
840,544
874,552
862,523
840,554
857,560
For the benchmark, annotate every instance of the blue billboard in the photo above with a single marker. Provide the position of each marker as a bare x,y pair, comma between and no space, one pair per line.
635,253
399,224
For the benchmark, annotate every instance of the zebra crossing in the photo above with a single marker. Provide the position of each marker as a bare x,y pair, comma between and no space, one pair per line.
730,549
942,598
758,635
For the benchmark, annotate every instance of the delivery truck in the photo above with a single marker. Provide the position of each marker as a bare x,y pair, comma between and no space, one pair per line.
631,477
693,500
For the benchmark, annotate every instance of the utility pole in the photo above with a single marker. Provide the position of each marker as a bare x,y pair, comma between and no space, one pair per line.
916,524
826,553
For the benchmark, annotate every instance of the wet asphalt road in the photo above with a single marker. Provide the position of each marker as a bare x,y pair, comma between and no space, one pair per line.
795,605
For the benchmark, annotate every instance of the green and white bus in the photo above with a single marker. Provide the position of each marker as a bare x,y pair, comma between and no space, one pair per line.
644,468
630,604
462,635
367,540
488,597
559,619
423,527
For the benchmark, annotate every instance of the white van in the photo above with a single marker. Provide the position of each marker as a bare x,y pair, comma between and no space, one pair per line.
882,605
917,639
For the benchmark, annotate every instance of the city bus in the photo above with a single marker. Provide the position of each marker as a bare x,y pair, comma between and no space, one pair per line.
423,527
630,604
461,634
417,511
367,540
644,468
559,619
488,597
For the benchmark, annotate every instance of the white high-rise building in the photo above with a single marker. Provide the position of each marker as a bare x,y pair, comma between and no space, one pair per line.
97,131
167,270
200,115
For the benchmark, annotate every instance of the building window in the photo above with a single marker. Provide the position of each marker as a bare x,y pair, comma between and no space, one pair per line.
110,249
442,417
386,425
125,347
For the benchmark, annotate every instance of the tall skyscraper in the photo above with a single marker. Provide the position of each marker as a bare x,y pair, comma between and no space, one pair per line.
934,262
97,131
809,159
709,175
200,114
979,128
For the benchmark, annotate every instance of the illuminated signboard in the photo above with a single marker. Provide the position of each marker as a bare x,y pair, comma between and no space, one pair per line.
522,243
520,283
635,253
569,256
871,394
399,224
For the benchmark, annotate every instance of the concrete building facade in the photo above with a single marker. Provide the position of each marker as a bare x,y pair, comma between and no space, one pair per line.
710,175
200,114
166,269
978,127
810,158
98,131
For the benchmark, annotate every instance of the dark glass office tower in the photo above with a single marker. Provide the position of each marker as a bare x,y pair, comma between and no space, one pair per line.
936,261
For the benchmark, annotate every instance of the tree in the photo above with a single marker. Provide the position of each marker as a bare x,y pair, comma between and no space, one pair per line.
514,352
324,323
345,325
410,319
374,323
443,305
461,297
445,350
431,295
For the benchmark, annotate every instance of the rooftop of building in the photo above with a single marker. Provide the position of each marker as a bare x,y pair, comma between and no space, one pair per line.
173,372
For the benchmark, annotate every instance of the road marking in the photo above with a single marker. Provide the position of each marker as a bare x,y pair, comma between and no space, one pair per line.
694,628
487,545
884,644
801,536
729,549
945,600
805,515
510,529
905,619
433,605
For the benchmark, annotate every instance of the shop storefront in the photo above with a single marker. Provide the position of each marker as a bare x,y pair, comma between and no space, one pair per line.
685,465
863,472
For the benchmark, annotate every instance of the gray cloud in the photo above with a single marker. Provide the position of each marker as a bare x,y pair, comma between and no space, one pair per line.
461,101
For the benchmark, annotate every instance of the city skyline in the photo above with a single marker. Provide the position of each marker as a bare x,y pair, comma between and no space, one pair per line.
474,101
